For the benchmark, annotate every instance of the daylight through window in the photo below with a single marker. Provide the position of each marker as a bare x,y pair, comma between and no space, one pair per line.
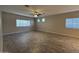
72,23
22,23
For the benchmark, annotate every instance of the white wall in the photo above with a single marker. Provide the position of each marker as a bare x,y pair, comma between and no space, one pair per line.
9,23
56,24
1,40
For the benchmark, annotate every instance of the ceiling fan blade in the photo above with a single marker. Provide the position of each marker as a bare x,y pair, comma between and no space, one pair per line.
27,6
34,11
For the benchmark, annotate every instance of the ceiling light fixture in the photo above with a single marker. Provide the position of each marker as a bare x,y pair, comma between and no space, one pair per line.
35,12
35,16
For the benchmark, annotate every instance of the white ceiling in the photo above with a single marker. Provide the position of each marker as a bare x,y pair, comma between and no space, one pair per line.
47,9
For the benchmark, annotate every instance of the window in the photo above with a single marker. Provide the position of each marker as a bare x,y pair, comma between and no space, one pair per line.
43,19
22,23
38,20
72,23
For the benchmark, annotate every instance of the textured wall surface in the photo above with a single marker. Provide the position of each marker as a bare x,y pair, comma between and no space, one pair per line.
56,24
9,23
1,40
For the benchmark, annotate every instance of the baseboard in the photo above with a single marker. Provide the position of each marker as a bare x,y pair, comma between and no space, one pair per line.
61,34
46,32
67,35
14,32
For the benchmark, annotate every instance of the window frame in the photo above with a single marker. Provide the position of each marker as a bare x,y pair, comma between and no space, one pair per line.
73,24
22,24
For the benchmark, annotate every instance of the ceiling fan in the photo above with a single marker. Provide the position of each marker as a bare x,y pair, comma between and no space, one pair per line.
35,11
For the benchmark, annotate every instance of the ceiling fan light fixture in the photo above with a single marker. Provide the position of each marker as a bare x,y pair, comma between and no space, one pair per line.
35,16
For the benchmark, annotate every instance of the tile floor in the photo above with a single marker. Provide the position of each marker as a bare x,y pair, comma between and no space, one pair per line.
39,42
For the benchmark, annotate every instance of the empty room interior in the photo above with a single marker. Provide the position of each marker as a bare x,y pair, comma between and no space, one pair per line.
39,28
